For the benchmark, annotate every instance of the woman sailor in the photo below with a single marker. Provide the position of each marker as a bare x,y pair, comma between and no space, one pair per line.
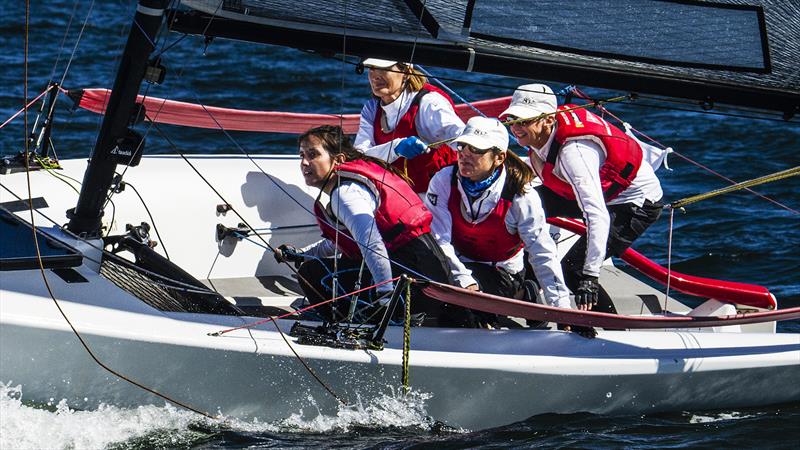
372,214
485,210
588,168
404,114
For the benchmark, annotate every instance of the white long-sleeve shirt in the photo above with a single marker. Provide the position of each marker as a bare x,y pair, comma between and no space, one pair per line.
578,163
525,217
354,206
436,121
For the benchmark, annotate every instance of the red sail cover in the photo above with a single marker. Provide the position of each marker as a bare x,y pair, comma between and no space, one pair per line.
534,311
172,112
727,291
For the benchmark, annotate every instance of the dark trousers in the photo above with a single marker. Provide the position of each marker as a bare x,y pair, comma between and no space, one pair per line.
421,255
628,222
496,281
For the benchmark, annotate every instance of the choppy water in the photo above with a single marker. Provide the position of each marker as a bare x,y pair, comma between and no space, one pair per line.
738,237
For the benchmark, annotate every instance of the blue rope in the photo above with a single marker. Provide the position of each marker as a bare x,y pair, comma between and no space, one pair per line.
458,97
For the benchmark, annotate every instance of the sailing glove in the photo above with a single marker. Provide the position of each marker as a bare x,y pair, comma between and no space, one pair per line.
410,147
289,253
586,293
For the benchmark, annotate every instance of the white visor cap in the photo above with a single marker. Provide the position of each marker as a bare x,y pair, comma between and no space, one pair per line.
375,63
531,100
484,133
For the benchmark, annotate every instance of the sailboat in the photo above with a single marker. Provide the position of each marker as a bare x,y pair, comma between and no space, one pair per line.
97,311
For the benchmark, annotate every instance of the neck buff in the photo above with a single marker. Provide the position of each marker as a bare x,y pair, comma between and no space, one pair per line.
475,188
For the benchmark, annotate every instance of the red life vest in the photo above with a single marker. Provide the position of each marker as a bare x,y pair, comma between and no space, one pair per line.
421,168
623,154
488,240
400,217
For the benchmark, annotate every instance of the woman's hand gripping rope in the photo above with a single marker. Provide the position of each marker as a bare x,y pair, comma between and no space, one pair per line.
289,253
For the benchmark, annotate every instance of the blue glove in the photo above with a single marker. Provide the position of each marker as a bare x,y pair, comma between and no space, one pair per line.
410,147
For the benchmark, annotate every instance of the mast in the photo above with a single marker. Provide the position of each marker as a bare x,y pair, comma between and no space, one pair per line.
86,217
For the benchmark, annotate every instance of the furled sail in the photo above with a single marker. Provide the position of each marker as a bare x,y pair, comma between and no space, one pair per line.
195,115
737,52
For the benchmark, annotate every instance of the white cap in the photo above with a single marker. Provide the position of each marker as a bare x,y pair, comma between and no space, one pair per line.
381,63
484,133
531,100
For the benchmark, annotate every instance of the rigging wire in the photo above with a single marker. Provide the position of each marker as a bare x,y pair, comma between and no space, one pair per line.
794,171
39,254
152,220
301,310
634,104
24,109
581,94
63,40
77,41
173,283
277,327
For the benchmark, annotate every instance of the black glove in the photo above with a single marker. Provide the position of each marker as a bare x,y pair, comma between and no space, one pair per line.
587,332
586,293
288,253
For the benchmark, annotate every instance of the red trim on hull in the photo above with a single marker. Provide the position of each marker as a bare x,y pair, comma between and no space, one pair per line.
517,308
174,112
728,291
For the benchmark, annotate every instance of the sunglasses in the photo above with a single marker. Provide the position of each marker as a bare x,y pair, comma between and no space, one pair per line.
473,150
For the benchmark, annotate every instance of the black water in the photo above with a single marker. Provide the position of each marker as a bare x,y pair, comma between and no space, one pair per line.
737,236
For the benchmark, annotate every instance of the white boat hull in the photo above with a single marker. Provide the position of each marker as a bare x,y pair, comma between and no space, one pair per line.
475,378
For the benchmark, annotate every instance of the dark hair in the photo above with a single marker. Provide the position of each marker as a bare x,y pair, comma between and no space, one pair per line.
519,174
335,142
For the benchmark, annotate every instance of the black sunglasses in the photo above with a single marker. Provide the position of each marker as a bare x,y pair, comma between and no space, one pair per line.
473,150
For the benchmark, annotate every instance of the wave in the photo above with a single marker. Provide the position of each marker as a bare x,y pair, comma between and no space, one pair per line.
54,424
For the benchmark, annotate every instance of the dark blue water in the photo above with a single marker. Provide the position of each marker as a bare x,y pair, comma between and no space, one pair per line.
736,237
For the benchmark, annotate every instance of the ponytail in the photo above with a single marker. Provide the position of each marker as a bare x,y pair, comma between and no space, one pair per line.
519,174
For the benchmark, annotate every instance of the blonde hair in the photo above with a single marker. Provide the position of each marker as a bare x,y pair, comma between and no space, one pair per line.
416,79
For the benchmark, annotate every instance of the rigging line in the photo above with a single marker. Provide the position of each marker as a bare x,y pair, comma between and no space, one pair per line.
713,113
640,105
463,100
275,182
175,284
25,108
283,336
63,41
681,101
335,279
149,215
383,176
163,38
248,239
769,199
113,64
581,94
211,186
669,257
738,186
39,254
77,41
301,310
141,143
